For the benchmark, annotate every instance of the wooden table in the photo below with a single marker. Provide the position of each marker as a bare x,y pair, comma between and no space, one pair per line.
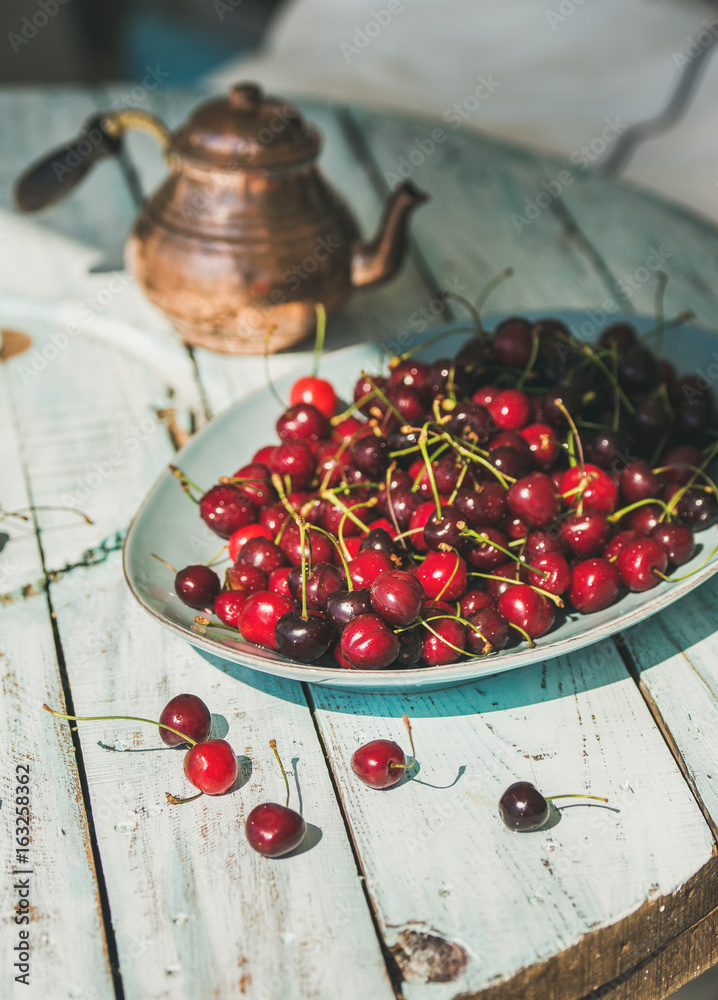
420,892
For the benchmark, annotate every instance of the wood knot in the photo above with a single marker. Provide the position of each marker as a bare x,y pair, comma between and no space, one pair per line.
428,958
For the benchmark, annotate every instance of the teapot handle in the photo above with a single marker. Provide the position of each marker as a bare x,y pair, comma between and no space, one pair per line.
58,173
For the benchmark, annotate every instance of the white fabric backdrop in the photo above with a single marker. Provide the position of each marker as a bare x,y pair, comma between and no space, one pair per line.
560,69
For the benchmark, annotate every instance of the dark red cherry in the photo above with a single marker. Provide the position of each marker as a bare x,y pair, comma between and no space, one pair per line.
585,534
504,577
398,597
409,648
273,829
303,639
523,606
259,616
542,541
367,643
322,582
345,605
544,444
379,764
211,767
364,387
474,600
471,421
643,519
488,626
676,539
608,449
522,807
559,575
302,422
485,505
681,462
639,370
595,584
411,372
619,541
638,481
197,586
408,402
263,554
534,500
640,562
370,455
445,529
509,462
698,507
621,336
482,552
255,483
188,714
445,378
379,540
225,509
293,459
513,342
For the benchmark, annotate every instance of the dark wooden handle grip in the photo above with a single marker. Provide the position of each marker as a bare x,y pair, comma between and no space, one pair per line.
53,177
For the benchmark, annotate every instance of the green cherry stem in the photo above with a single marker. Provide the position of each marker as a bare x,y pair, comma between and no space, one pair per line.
412,759
319,335
532,358
127,718
160,559
577,795
174,800
267,374
490,286
484,539
302,539
273,745
185,483
618,514
429,470
686,576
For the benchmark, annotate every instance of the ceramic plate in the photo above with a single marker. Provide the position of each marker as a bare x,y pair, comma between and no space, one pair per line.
168,524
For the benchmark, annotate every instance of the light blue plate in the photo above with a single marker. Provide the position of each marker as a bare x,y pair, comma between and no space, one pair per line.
169,525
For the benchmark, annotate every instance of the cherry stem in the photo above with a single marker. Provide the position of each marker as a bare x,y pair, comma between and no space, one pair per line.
469,532
214,559
338,546
397,359
668,325
459,481
686,576
455,297
613,379
453,574
128,718
273,745
429,470
425,623
532,359
174,800
319,335
18,513
347,511
412,759
618,514
267,373
559,404
577,795
382,396
524,633
302,537
490,286
160,559
186,483
463,449
505,579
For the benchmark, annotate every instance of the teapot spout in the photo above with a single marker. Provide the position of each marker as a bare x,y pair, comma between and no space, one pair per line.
378,259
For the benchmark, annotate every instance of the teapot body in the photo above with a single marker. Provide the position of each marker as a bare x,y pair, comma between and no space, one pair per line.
230,255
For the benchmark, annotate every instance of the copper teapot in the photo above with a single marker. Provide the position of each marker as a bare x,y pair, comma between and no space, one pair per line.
245,235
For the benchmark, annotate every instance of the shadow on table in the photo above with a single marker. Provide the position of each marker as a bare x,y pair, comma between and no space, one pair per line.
586,669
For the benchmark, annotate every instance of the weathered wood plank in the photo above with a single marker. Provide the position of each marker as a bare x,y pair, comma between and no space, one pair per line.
677,659
439,860
195,910
66,954
467,233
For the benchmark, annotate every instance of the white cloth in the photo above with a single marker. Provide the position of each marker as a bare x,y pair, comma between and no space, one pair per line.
560,71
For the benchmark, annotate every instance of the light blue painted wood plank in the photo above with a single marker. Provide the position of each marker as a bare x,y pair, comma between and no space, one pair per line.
439,860
196,912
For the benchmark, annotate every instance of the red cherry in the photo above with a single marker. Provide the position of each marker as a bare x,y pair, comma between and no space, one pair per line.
559,574
485,505
680,459
315,391
510,571
197,586
211,767
398,597
539,543
379,764
510,409
534,500
274,830
259,616
228,605
278,581
225,509
513,342
264,455
349,428
367,565
594,585
439,649
638,562
482,553
256,483
593,487
443,574
543,443
242,536
618,542
638,481
263,554
190,715
367,643
523,606
293,459
644,519
489,625
246,578
273,517
322,550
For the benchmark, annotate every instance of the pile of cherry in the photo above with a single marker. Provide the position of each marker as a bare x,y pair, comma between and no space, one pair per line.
455,506
273,829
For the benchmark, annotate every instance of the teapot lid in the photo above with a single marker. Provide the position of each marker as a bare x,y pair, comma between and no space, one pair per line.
247,129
